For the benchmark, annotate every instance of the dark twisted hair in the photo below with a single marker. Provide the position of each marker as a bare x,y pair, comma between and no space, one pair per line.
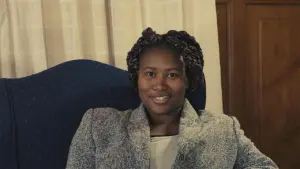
180,43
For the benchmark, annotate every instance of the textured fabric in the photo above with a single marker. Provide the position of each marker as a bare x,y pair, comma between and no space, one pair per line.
8,158
163,151
108,138
43,111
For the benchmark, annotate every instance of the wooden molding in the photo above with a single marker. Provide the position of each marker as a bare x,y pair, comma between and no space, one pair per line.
272,2
226,51
223,1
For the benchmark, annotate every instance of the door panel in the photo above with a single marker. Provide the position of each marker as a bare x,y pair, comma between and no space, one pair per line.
260,63
273,83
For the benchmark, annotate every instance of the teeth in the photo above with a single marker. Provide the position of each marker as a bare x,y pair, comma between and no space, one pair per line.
161,98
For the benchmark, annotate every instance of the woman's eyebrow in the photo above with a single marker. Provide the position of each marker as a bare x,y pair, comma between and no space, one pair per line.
175,68
148,67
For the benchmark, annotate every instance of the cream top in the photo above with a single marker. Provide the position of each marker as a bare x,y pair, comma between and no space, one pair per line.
163,152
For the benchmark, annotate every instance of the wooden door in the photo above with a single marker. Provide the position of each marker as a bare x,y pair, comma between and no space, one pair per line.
263,90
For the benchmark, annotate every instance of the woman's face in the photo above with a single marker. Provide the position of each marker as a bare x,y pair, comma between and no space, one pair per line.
161,81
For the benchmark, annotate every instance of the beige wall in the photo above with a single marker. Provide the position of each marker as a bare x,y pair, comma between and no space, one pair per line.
38,34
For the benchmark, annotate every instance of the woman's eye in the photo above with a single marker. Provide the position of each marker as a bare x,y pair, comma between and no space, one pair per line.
151,74
173,75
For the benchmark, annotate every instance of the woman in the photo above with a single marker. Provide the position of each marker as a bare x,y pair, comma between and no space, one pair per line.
165,131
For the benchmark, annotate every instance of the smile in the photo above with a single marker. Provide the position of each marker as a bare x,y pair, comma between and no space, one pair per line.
161,99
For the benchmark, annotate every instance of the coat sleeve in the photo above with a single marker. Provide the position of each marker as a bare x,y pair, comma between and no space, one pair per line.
82,149
248,156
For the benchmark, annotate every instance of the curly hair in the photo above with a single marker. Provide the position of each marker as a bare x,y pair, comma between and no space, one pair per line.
179,42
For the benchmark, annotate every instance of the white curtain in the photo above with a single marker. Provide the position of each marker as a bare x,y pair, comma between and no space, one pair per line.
38,34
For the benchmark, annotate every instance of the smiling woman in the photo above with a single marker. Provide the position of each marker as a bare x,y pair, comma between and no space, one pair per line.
161,68
165,131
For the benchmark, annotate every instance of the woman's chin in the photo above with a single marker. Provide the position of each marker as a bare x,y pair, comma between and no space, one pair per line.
161,110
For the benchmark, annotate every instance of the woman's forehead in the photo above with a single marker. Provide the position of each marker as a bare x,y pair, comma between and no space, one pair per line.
161,58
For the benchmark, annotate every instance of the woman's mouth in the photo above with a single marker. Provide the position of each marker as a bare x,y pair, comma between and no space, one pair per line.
161,99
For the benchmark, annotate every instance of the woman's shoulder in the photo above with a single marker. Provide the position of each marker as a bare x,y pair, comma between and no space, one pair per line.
217,118
106,115
109,112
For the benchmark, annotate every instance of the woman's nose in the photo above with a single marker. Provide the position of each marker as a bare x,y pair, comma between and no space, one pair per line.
160,83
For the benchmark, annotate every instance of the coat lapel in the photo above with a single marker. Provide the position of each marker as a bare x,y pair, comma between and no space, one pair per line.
139,135
191,138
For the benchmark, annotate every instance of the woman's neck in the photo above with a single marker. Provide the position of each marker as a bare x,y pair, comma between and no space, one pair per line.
164,129
165,124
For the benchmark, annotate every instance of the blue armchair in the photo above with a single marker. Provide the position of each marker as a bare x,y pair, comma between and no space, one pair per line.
40,113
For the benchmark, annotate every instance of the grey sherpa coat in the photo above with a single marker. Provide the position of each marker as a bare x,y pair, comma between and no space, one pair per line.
108,138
